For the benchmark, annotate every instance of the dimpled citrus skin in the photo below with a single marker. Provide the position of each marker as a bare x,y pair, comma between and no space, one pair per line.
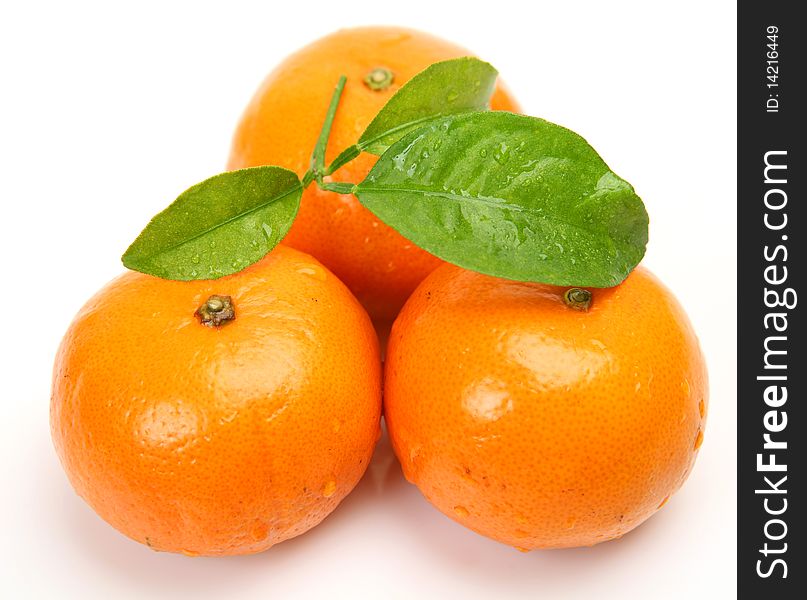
281,126
218,441
538,425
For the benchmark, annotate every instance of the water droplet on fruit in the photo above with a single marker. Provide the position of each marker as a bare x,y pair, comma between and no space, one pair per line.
313,271
702,408
267,230
260,531
521,549
685,387
329,489
461,511
483,153
228,418
452,96
195,259
663,502
571,522
336,425
190,553
698,439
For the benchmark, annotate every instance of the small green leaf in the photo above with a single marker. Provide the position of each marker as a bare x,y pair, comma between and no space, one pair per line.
510,196
218,226
445,88
450,87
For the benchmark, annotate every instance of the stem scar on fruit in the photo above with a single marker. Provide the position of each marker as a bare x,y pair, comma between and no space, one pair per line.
379,79
216,311
577,298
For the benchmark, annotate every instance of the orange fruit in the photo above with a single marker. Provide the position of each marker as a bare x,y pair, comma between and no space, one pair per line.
281,126
218,440
538,425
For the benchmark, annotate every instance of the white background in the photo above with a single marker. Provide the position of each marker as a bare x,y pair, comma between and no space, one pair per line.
108,112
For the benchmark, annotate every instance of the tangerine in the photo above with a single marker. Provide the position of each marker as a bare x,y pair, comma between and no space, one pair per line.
536,424
222,430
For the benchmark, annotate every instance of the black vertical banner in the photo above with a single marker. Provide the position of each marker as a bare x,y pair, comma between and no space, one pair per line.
772,362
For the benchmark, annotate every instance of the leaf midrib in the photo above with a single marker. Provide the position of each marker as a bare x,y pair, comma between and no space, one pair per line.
364,145
221,224
497,203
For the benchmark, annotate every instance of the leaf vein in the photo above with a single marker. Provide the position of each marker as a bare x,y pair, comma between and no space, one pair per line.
226,222
496,203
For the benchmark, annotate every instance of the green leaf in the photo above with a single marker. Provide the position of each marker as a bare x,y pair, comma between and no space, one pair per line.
218,226
510,196
444,88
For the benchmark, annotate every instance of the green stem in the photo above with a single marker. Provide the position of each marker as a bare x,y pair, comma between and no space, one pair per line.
336,186
344,157
318,156
308,178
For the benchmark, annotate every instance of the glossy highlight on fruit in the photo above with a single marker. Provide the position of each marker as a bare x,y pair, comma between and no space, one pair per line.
218,417
280,127
543,417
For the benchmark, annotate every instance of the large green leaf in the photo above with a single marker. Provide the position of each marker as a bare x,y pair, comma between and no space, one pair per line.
510,196
218,226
